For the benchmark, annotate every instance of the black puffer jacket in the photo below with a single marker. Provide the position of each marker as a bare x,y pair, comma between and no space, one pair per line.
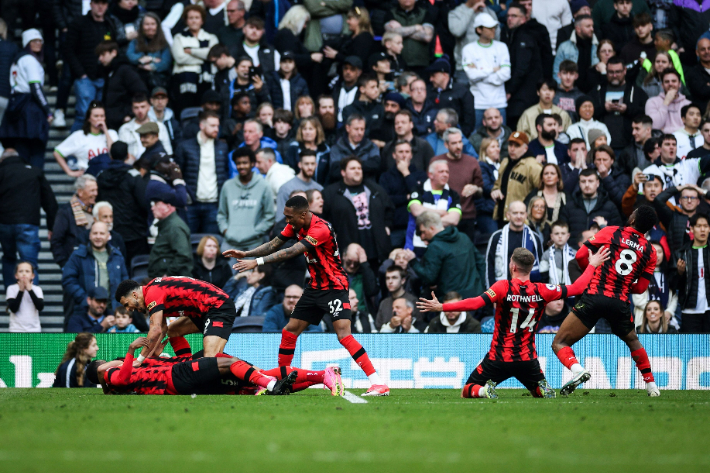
122,187
688,281
82,38
122,82
8,51
187,156
579,220
66,11
298,84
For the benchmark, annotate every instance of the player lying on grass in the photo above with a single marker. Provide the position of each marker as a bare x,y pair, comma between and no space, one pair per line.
183,375
327,292
629,271
519,306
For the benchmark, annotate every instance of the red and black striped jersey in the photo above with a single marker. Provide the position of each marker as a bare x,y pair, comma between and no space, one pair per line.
177,296
632,257
182,349
322,254
154,379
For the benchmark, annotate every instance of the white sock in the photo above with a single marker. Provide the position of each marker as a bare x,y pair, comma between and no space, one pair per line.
375,378
651,385
271,385
576,368
481,390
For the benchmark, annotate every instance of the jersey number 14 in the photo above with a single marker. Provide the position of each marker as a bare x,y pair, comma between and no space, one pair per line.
528,323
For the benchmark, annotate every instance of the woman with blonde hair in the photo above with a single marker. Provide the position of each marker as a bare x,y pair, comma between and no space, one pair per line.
310,136
551,190
489,161
305,107
537,219
361,42
71,372
653,320
290,38
210,266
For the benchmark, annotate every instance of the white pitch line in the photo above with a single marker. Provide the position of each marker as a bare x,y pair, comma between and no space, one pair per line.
350,397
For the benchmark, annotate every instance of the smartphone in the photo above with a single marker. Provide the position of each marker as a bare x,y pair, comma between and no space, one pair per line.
254,71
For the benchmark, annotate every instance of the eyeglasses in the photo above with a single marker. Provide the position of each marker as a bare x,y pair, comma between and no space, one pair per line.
689,198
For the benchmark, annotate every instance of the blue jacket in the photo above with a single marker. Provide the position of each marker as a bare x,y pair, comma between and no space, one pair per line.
265,143
293,156
187,156
299,87
262,300
275,321
165,56
437,144
484,204
81,274
8,51
569,50
66,376
535,148
82,322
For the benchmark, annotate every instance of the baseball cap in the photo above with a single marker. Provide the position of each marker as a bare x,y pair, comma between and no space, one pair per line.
166,197
519,137
99,293
375,58
158,91
146,128
485,20
353,61
287,55
576,5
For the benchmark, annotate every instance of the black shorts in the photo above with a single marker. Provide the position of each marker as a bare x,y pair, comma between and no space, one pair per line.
315,303
590,308
196,377
527,372
217,322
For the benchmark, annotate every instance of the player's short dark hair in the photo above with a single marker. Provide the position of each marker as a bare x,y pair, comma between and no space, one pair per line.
345,161
646,218
569,66
589,172
297,203
684,110
524,259
643,120
694,219
551,84
642,19
125,288
243,151
559,223
540,119
92,371
394,268
452,296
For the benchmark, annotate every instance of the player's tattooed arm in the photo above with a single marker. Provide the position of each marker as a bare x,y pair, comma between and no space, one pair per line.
288,253
267,248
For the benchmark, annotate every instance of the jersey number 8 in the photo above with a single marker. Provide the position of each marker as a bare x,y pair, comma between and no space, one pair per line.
528,323
624,265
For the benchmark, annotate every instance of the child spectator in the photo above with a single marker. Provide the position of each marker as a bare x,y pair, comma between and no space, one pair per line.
568,93
124,322
663,41
555,314
554,265
284,133
393,48
24,301
71,372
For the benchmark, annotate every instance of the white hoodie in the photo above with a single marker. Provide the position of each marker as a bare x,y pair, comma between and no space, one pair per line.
487,87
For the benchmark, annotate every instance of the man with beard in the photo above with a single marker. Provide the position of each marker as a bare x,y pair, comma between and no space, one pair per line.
580,48
445,119
393,102
403,129
546,90
545,147
303,181
345,86
617,102
492,128
676,220
326,114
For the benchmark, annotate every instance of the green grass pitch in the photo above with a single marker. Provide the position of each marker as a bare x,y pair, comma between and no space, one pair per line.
58,430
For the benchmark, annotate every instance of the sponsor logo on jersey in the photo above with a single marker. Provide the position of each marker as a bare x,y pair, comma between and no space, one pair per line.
151,305
491,293
553,287
312,240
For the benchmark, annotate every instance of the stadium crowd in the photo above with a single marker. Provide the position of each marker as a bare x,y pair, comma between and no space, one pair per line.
435,137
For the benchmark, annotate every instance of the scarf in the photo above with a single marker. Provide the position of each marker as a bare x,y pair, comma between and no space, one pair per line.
658,290
567,256
78,208
529,243
243,302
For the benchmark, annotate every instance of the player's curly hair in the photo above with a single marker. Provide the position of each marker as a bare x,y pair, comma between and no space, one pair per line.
125,288
646,218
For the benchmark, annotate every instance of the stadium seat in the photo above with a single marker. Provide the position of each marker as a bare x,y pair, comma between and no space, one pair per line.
251,324
196,237
139,267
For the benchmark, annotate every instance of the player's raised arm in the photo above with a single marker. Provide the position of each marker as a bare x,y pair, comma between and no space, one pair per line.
473,303
595,260
156,332
281,255
263,250
582,257
124,375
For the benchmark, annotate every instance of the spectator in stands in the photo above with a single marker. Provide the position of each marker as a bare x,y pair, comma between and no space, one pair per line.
345,88
128,15
257,47
620,27
91,316
327,115
653,320
305,107
171,255
83,35
555,314
691,269
284,133
103,212
304,180
128,133
526,63
246,205
527,175
689,137
588,205
398,182
25,124
633,198
453,95
252,292
209,102
642,42
673,170
395,281
537,219
286,85
423,110
203,161
414,23
360,42
310,136
554,264
461,25
275,174
265,116
209,264
121,84
581,48
665,109
451,262
74,219
585,108
95,264
231,34
546,90
160,113
551,190
545,147
254,139
597,75
150,52
163,176
402,320
704,149
633,155
354,143
489,164
360,211
659,290
675,220
191,71
403,130
250,84
23,192
453,322
367,104
492,127
650,81
445,119
614,181
24,300
71,372
149,135
124,322
568,92
514,234
8,51
698,78
277,317
315,201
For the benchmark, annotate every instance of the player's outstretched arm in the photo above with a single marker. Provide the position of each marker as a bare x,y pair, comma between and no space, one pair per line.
595,260
263,250
434,305
281,255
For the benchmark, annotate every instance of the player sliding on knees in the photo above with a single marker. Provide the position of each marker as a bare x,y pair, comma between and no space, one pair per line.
519,307
199,306
183,375
327,291
629,271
